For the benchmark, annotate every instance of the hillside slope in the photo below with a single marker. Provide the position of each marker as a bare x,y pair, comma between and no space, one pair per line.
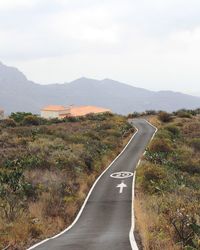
47,170
19,94
167,187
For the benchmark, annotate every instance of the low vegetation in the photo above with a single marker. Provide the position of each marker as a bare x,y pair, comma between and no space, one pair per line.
168,185
165,116
47,168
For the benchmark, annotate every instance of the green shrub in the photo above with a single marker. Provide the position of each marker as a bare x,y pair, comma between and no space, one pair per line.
134,115
152,177
98,117
164,134
31,120
173,130
55,121
156,157
12,194
161,145
151,112
195,143
190,167
30,161
19,116
183,114
164,116
35,231
42,121
8,123
71,119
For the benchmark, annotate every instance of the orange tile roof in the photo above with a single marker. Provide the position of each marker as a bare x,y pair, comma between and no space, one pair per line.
54,108
84,110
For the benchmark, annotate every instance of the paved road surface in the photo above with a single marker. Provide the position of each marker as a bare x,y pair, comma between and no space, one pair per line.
106,219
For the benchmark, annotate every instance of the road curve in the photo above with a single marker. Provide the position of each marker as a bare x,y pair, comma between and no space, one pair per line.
105,221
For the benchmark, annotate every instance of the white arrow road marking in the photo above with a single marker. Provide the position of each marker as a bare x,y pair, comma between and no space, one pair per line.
121,186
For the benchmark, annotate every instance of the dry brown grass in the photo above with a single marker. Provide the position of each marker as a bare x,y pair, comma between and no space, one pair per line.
147,223
46,177
154,121
18,234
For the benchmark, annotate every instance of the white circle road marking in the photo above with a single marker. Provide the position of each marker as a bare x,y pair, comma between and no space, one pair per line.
121,175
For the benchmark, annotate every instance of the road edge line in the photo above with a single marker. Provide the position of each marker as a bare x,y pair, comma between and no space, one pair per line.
156,129
86,199
133,242
131,232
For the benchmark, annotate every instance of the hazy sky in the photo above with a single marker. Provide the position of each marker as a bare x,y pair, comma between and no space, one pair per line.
153,44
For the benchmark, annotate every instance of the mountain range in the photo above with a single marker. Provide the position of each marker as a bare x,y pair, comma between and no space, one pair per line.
17,93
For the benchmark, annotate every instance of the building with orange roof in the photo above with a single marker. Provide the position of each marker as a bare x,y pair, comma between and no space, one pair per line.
85,110
60,112
55,111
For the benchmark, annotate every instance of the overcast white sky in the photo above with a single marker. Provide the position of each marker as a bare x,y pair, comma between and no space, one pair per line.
152,44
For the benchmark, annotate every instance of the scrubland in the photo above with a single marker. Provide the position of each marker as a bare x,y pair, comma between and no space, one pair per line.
47,170
167,202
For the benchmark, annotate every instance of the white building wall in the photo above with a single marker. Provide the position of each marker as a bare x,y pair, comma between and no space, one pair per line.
1,114
49,114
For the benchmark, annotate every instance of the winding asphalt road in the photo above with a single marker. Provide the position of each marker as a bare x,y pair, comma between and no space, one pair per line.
105,221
